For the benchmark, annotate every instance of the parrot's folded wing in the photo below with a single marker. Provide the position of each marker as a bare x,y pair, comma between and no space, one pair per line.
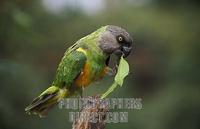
70,67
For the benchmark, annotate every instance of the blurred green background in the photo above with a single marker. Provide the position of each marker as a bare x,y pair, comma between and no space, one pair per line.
164,66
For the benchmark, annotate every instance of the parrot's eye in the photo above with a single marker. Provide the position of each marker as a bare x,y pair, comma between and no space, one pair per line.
120,39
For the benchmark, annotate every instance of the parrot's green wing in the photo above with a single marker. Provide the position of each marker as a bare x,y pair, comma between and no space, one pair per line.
69,68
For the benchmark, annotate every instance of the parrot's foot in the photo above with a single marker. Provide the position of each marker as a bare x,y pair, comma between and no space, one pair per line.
111,71
81,91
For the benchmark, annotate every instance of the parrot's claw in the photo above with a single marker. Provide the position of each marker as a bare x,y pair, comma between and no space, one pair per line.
112,71
81,92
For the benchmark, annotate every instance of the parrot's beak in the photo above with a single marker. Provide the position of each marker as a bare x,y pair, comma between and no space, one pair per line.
126,51
123,50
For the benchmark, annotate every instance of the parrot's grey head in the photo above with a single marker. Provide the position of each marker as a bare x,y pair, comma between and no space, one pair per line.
116,40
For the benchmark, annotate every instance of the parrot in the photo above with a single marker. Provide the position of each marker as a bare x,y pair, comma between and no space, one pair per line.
86,61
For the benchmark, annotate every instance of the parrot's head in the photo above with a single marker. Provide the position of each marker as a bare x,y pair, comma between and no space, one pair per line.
115,40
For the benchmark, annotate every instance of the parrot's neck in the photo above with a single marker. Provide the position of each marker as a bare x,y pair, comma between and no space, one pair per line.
91,43
95,52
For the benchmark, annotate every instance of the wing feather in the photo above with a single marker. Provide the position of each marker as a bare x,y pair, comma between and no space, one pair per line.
70,67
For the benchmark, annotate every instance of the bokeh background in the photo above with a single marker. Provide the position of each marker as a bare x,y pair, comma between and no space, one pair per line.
164,66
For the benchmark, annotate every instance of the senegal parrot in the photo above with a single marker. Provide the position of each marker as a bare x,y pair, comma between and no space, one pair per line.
83,63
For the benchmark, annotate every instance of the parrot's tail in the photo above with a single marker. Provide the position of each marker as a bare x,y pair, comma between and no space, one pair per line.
45,101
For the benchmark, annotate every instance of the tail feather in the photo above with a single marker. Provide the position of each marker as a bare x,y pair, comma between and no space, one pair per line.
50,97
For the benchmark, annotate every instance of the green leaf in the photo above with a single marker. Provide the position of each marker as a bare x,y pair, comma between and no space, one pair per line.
122,72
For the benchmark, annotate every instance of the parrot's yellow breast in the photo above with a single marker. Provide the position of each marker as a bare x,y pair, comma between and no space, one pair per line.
91,71
85,77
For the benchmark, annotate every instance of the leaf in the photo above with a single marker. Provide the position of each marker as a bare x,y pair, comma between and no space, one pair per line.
122,72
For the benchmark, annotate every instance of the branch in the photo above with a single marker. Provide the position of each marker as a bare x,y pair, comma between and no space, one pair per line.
92,115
